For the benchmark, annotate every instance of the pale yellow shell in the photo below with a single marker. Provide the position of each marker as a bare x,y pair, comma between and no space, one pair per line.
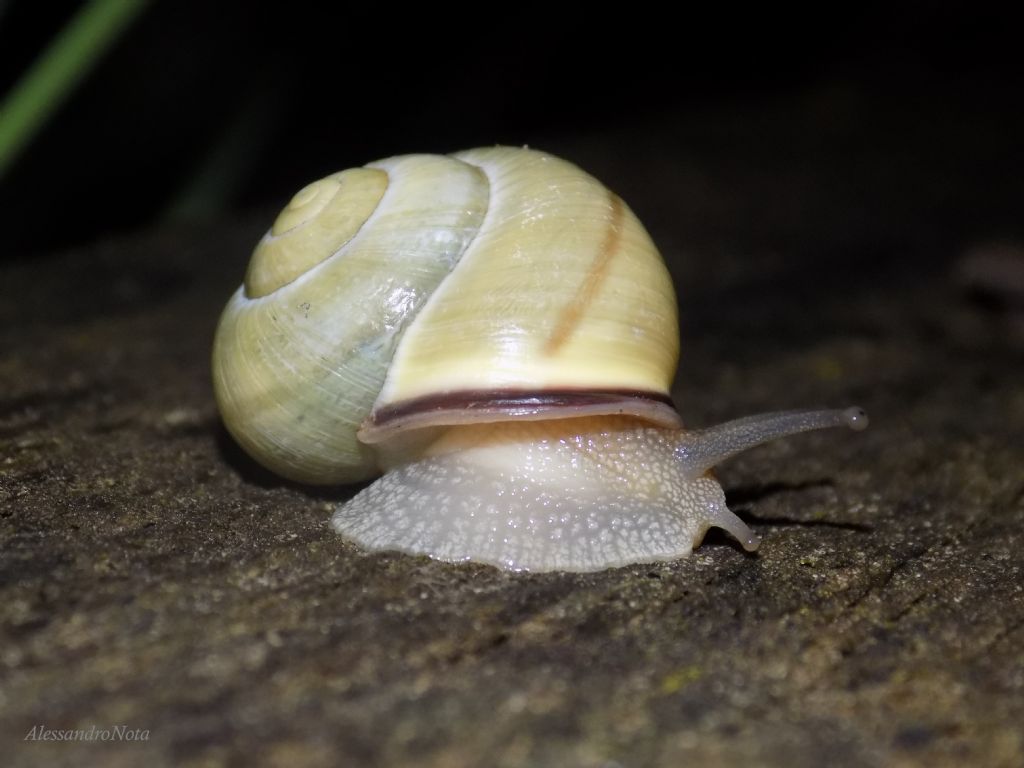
426,290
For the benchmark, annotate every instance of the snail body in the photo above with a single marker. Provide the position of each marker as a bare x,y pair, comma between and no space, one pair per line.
496,332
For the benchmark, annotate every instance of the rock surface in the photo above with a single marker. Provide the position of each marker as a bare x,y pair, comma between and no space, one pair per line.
153,577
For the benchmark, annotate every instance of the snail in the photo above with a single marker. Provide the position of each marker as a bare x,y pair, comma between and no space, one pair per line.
496,333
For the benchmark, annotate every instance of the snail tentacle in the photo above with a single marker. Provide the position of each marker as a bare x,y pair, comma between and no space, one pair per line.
700,450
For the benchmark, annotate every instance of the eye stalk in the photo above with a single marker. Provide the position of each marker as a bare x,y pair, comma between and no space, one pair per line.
700,450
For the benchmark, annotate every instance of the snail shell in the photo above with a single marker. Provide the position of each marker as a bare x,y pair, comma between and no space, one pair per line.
494,329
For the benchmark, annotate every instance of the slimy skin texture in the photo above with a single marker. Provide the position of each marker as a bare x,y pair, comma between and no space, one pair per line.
574,494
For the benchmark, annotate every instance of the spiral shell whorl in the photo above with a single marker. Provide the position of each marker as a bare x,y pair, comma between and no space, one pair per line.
296,370
318,221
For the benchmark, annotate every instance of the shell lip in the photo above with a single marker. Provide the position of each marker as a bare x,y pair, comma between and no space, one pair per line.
482,406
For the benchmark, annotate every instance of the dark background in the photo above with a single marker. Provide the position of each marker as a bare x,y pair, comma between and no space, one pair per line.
201,110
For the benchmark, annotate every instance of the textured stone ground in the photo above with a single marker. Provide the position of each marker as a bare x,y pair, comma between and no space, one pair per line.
153,577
